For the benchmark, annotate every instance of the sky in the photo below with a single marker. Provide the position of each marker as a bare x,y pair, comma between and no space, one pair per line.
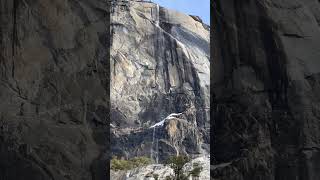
199,8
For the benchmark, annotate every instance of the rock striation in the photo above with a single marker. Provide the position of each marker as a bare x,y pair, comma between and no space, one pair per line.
266,74
54,86
54,89
160,81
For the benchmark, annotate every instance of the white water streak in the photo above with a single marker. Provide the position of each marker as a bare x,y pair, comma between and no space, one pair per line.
161,123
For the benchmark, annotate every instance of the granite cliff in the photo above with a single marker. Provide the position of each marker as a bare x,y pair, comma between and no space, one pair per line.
55,74
266,74
160,80
55,80
54,89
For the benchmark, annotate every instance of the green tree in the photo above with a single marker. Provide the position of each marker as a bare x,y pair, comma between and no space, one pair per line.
177,163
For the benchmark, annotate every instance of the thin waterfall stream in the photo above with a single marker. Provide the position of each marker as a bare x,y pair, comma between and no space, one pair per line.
153,137
154,155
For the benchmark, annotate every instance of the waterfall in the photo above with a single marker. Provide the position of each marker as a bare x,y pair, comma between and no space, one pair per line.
153,137
161,123
154,154
157,151
155,142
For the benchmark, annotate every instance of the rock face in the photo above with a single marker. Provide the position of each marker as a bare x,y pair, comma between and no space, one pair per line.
54,86
53,89
159,74
266,86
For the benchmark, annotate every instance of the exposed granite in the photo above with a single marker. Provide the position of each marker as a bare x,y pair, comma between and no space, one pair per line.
53,89
266,75
159,66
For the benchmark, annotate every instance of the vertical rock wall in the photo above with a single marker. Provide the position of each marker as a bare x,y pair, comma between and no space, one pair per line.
160,65
266,74
53,89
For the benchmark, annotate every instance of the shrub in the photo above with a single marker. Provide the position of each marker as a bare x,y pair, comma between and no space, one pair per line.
140,161
195,172
121,164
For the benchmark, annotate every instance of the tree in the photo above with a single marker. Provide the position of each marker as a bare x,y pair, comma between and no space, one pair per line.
177,163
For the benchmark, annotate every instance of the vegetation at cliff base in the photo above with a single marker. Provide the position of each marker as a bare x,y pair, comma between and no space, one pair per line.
121,164
177,163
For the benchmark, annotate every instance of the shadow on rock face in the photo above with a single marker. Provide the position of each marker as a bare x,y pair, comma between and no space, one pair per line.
13,166
176,136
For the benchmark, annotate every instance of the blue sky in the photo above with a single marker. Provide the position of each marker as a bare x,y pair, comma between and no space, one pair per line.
200,8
